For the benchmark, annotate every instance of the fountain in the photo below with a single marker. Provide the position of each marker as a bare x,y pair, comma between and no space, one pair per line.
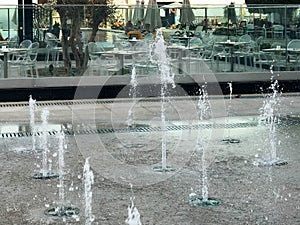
88,194
32,107
33,148
46,170
133,213
132,94
269,120
204,113
61,210
159,56
230,140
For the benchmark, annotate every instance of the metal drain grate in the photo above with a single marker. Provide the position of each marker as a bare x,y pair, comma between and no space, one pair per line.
149,129
127,130
101,101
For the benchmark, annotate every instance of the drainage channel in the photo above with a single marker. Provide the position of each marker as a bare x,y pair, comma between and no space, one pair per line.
136,129
92,102
286,123
109,101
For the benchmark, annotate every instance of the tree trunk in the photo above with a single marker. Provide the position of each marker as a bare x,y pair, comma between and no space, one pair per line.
64,40
94,33
77,45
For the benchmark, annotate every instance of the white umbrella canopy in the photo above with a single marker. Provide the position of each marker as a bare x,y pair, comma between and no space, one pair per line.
152,18
175,5
186,13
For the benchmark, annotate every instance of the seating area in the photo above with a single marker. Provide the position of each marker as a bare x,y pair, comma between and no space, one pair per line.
255,40
188,54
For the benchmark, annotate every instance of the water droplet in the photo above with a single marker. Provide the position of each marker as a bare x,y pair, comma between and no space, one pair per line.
245,161
55,154
256,155
79,176
47,205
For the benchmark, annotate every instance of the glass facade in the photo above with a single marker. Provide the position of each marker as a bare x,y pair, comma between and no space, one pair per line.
268,26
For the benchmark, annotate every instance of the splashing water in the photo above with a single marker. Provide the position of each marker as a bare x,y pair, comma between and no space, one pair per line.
61,210
46,168
61,167
268,118
133,214
44,143
88,194
204,113
159,56
132,94
32,108
230,140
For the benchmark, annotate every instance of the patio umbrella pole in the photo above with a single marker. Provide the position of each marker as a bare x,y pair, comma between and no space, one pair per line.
227,22
205,22
23,12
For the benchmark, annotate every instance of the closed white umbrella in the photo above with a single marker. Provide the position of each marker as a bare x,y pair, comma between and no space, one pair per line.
186,13
138,14
152,18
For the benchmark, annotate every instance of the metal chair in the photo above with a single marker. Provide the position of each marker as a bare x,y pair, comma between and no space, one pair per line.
28,61
293,50
220,52
53,50
250,28
278,31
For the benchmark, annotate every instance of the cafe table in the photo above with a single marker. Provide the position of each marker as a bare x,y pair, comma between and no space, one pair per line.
181,51
186,40
120,54
3,43
5,52
280,59
134,41
231,45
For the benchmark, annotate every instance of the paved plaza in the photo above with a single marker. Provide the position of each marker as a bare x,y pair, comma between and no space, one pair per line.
122,156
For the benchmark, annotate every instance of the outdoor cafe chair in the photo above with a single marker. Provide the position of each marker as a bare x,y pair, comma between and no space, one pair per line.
13,42
20,55
263,59
92,50
143,64
193,56
293,48
93,62
219,53
28,61
108,64
243,51
278,31
53,50
250,28
25,44
280,57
